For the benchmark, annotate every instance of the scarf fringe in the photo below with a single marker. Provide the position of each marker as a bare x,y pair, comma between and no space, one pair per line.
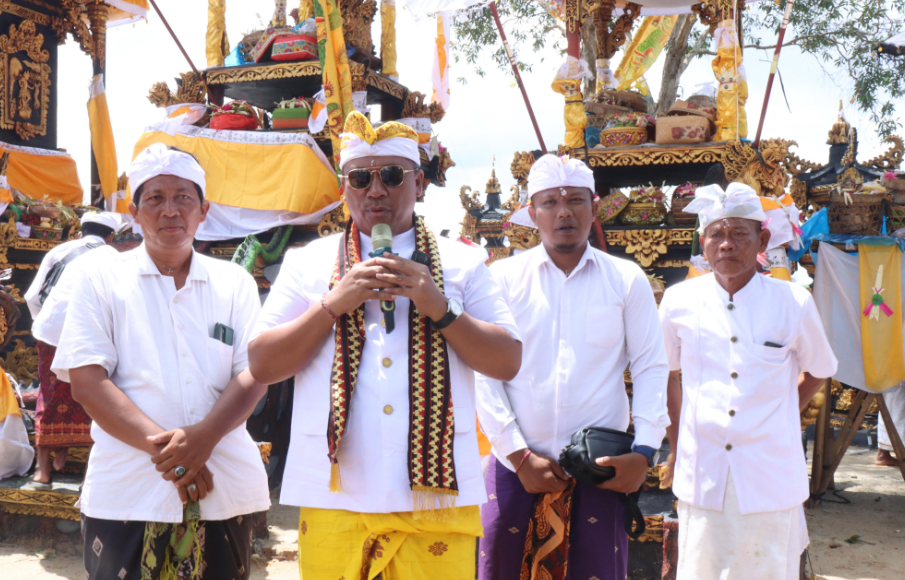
336,482
430,503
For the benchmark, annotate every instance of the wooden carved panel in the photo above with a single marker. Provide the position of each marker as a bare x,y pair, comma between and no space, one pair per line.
25,78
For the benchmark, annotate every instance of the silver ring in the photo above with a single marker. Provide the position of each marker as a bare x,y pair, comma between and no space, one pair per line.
192,488
180,471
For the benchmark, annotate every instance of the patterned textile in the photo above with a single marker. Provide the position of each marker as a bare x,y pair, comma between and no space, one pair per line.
59,420
432,427
597,545
337,544
547,546
337,78
143,550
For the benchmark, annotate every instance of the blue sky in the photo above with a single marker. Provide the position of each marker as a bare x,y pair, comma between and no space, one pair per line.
486,117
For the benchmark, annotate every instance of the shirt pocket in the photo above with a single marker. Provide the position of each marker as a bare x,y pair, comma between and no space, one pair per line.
220,364
603,326
770,354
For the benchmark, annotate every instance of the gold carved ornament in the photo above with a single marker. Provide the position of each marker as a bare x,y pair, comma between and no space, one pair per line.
250,74
359,72
357,16
190,89
470,203
8,238
39,503
22,362
26,80
609,40
646,246
414,107
386,85
521,166
892,159
572,15
332,223
637,157
522,237
796,165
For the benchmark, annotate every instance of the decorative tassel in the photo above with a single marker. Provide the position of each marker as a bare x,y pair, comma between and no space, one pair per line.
336,482
434,504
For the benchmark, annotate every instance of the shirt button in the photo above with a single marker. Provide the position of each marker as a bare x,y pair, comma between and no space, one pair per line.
734,375
734,339
188,381
192,411
387,363
180,327
184,354
175,299
732,413
731,306
388,410
728,446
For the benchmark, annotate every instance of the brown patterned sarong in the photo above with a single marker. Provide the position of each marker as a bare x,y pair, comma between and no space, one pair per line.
59,420
547,545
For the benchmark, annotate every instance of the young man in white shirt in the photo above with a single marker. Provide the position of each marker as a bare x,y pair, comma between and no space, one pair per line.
155,346
585,317
60,422
383,460
751,352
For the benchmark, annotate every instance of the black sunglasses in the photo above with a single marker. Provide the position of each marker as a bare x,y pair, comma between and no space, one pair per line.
390,175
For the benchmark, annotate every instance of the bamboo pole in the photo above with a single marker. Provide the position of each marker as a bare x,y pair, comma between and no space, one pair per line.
846,434
773,69
518,77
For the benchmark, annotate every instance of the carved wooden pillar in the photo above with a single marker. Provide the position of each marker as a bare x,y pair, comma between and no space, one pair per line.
573,27
97,20
609,41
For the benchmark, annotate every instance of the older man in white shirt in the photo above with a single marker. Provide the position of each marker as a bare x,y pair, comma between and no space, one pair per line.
384,456
585,317
155,345
751,351
60,422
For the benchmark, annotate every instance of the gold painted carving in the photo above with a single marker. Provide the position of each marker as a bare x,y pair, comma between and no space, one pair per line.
522,237
707,15
190,89
224,251
765,173
796,165
28,14
653,529
799,192
358,70
283,70
469,229
8,238
640,156
39,503
521,166
97,18
609,41
22,362
384,84
358,15
892,159
332,223
671,264
414,107
646,246
36,245
26,81
469,202
572,15
498,253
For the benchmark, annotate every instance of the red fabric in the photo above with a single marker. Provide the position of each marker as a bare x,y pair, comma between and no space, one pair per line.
59,420
233,122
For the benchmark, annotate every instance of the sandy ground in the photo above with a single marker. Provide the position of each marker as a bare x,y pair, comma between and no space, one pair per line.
875,514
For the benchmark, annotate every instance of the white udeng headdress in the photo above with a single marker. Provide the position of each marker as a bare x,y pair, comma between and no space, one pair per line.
158,159
551,171
711,203
360,139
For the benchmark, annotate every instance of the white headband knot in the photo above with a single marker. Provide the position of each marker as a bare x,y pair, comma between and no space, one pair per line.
711,203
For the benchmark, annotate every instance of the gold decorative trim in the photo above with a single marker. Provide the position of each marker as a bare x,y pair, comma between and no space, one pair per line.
671,264
27,13
4,265
521,166
39,503
638,156
249,74
653,531
21,362
646,246
31,74
224,251
332,223
891,159
522,237
384,84
8,238
36,245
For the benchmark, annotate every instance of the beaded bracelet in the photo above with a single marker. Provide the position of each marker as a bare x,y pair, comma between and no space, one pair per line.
327,308
520,463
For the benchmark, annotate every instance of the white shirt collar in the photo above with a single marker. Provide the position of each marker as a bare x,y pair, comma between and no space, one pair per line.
748,292
147,267
544,257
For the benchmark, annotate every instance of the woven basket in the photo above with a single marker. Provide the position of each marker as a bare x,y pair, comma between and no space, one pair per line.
895,185
702,100
611,206
643,214
635,101
623,136
682,129
861,218
605,109
895,217
680,217
598,121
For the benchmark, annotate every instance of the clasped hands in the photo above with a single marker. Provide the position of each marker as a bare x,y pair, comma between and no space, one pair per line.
542,474
385,278
189,447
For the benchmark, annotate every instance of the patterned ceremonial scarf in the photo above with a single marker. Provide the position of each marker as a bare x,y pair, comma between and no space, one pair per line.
431,429
546,554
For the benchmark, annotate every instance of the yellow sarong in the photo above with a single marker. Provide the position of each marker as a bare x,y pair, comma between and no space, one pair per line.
359,546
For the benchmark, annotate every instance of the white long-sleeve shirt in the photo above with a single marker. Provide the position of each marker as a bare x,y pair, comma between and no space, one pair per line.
580,333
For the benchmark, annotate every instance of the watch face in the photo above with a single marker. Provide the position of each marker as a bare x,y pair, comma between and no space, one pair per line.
455,307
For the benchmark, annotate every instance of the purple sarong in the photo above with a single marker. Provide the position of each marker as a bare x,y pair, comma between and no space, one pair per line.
598,544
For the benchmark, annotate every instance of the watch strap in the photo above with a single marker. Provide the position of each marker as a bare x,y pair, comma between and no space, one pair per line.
648,452
447,319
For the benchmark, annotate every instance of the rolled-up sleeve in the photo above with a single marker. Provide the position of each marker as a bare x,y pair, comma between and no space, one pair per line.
484,301
87,337
287,299
647,359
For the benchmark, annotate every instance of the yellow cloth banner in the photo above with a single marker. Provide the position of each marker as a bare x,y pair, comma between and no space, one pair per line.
337,79
646,46
388,38
215,41
344,544
38,176
287,177
306,10
9,405
102,145
879,278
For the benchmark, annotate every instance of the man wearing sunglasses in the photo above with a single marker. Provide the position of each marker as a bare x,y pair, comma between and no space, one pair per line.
383,460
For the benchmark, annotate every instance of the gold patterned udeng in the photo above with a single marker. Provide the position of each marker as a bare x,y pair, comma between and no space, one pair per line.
358,125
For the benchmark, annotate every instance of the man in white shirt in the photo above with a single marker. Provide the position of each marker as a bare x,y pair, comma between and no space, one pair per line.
60,422
155,346
895,402
751,352
585,317
383,460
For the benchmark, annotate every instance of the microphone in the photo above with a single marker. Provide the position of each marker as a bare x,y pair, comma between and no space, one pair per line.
382,241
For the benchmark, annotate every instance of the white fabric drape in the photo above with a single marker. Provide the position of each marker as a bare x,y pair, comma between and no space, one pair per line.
225,222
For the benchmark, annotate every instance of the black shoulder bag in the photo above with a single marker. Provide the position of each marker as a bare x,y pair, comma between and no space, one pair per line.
53,276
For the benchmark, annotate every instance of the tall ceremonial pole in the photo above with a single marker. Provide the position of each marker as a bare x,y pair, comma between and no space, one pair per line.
773,69
518,77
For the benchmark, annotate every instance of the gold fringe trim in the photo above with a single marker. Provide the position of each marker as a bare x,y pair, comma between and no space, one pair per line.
336,482
430,503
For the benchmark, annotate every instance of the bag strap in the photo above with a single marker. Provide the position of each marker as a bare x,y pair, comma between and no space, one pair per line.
57,270
633,514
